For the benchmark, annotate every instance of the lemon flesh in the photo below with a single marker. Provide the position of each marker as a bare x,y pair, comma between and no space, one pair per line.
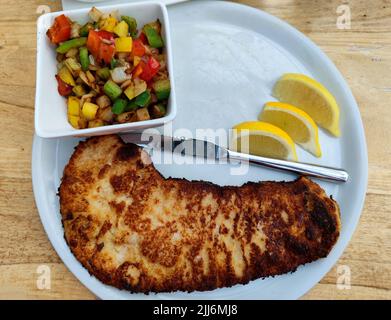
263,139
298,124
310,96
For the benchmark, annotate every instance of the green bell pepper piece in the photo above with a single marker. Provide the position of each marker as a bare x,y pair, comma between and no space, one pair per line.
162,89
131,105
119,106
154,38
132,23
143,99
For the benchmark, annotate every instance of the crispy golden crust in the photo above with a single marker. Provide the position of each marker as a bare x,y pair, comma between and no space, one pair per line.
135,230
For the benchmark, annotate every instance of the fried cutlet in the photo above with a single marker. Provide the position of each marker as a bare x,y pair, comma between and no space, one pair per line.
135,230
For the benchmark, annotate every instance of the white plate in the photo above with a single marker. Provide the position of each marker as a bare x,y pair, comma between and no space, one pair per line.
226,59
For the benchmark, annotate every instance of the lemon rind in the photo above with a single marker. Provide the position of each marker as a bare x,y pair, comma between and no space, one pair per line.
311,145
333,128
269,130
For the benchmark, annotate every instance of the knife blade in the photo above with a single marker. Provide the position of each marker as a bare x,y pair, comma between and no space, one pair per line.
181,145
211,151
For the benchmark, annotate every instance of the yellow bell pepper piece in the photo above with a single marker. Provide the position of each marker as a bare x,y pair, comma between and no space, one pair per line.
89,110
73,106
129,92
121,29
74,121
95,123
109,24
123,44
66,76
136,60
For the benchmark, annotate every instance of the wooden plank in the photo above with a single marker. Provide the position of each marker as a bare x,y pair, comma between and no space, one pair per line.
20,282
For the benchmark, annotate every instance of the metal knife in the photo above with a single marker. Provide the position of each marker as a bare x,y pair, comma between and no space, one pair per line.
214,152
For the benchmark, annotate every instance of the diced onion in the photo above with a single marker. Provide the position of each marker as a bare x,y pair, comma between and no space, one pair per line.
92,60
119,75
75,30
103,101
95,14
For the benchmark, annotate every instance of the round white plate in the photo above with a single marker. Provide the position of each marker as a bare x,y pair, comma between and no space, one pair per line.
226,59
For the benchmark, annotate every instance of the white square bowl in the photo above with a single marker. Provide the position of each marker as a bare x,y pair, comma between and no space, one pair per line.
50,108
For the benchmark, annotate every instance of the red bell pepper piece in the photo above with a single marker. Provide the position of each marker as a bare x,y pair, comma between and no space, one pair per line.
64,89
60,30
101,51
150,69
106,52
143,38
138,48
106,35
93,42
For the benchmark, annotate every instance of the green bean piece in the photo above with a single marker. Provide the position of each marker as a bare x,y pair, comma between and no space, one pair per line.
84,59
73,43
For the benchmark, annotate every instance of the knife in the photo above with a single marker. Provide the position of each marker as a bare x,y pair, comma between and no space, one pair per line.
211,151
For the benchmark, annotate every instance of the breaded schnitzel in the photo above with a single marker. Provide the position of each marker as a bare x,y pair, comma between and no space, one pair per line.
135,230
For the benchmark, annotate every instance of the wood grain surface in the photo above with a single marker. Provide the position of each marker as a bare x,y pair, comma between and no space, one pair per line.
362,54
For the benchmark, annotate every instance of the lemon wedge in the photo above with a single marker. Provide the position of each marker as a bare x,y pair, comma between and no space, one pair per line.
312,97
262,139
298,124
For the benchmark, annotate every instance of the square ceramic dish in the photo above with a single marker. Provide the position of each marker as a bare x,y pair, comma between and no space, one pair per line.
50,108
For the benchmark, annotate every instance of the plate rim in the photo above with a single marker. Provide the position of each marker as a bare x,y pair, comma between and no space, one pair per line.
362,187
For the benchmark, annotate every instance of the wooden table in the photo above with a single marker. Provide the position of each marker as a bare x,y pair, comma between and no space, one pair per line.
362,54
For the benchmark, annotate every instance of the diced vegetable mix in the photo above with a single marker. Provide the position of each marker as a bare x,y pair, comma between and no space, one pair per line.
109,71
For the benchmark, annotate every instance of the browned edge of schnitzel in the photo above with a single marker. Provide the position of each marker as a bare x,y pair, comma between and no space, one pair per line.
285,250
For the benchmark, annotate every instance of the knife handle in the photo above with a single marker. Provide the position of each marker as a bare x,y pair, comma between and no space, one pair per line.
311,170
